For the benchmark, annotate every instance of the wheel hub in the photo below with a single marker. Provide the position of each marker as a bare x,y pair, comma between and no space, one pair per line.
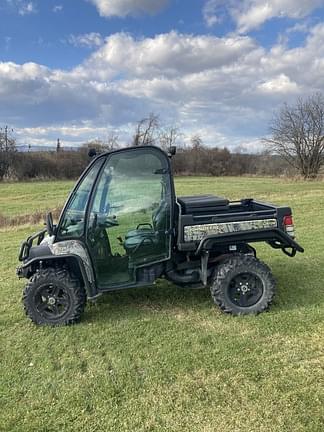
245,289
51,301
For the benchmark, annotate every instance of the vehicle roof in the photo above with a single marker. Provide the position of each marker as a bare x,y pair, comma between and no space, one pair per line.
130,148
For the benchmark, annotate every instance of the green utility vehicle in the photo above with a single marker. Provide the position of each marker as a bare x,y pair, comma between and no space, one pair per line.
123,227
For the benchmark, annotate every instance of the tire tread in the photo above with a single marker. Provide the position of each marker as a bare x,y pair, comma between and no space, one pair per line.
70,282
230,266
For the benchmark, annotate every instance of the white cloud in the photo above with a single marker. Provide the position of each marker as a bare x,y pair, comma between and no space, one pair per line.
210,12
168,55
15,72
227,87
251,14
7,41
88,40
280,84
27,8
299,27
69,135
122,8
22,7
57,8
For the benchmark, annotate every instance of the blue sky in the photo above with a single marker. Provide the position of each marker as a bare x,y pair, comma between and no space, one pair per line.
83,69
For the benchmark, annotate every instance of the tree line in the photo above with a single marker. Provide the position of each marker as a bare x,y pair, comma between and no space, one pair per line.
189,160
295,145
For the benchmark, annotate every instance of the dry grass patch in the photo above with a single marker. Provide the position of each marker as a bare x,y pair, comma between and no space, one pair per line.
27,219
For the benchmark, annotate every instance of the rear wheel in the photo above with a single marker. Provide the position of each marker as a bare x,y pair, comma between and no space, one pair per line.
54,297
243,285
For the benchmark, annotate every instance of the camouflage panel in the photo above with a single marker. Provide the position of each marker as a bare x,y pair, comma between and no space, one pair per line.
48,240
198,232
76,248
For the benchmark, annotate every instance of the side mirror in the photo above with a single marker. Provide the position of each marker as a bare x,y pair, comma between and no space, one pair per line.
172,151
49,224
92,152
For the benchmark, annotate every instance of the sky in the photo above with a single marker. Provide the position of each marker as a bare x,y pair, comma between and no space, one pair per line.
80,70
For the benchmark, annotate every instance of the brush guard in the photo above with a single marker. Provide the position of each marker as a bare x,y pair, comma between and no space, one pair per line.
26,245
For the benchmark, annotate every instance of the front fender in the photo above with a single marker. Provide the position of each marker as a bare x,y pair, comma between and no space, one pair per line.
71,251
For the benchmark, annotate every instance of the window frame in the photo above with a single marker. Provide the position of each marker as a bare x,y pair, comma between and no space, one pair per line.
161,155
59,237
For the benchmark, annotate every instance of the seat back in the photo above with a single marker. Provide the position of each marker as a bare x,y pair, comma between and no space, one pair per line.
160,217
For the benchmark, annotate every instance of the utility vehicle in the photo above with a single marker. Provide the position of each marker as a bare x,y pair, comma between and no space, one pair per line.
123,227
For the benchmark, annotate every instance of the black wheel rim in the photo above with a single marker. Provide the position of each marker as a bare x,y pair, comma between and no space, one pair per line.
52,301
245,289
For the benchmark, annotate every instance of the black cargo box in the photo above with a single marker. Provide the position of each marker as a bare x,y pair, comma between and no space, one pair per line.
202,204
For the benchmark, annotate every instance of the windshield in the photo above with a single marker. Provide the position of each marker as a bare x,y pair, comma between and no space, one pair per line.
72,224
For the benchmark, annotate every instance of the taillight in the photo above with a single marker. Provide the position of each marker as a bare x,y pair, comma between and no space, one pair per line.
289,225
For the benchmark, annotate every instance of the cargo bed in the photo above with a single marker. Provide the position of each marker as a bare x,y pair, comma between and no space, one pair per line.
209,220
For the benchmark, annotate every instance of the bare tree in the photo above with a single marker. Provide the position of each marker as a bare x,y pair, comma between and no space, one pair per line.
146,131
100,145
168,137
196,142
7,150
7,141
298,134
58,145
197,152
112,141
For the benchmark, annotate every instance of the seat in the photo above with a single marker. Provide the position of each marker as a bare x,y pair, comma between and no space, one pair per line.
142,229
142,242
148,236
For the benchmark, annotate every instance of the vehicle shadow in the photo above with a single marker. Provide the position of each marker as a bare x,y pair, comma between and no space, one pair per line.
141,301
297,287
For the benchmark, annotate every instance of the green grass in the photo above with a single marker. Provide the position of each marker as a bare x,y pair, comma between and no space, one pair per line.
25,198
166,359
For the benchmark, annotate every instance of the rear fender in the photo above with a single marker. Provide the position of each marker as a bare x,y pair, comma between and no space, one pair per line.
274,237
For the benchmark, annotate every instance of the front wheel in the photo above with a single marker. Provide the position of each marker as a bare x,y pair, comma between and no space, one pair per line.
54,297
243,285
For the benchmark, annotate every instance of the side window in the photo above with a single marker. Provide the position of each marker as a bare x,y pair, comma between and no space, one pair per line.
72,224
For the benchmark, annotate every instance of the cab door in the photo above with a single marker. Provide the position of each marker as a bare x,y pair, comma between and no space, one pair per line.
130,213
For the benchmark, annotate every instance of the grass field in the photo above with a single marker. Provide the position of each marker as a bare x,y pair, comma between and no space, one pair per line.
166,359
